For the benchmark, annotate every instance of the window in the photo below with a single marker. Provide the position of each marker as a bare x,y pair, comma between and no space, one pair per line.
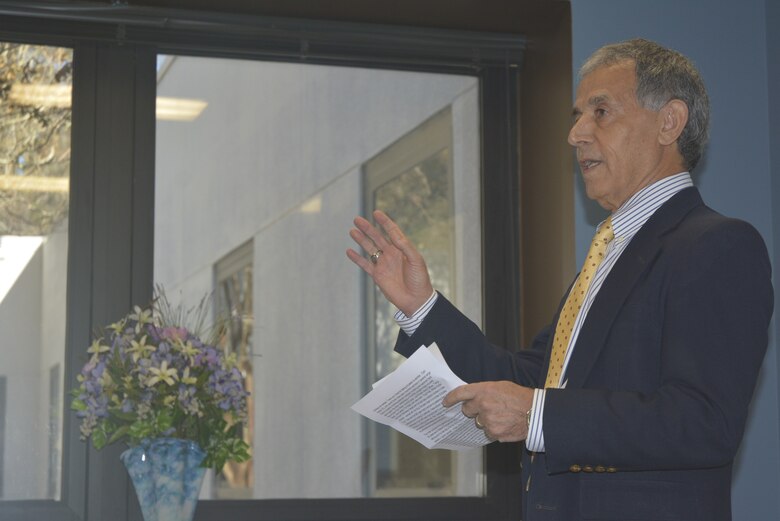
117,194
34,199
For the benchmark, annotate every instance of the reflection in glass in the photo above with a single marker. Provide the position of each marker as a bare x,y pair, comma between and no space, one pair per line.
253,200
35,122
414,181
234,305
419,200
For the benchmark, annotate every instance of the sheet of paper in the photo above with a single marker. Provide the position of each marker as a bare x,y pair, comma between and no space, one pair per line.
409,400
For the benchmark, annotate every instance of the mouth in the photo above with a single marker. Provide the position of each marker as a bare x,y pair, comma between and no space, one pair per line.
588,164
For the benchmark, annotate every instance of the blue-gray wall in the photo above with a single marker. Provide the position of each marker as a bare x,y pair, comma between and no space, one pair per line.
736,45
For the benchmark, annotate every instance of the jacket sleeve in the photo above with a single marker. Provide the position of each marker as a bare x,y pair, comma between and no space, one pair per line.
469,353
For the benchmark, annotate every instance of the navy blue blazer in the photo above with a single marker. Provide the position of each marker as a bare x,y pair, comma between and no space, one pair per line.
659,381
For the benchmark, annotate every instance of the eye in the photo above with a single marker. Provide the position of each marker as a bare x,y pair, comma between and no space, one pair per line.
600,112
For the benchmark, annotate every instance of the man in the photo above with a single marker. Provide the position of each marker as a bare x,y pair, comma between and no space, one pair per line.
633,401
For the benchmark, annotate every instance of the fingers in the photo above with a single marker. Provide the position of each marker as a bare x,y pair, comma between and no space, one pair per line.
370,240
459,394
361,261
499,408
370,237
364,242
395,235
465,395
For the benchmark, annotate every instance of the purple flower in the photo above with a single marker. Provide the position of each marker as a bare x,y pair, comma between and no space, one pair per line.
98,406
174,333
163,349
127,405
92,387
210,356
88,367
99,369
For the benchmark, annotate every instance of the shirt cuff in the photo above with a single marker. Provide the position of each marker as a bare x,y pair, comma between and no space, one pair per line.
535,440
410,324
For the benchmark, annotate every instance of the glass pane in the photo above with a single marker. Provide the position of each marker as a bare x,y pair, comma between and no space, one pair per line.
256,188
234,300
35,120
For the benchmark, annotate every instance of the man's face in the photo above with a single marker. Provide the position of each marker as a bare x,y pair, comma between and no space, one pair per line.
616,139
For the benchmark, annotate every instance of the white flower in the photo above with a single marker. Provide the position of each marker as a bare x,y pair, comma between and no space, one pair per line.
187,379
141,316
140,349
96,348
162,373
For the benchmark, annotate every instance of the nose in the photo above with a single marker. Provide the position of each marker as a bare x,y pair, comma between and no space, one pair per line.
580,132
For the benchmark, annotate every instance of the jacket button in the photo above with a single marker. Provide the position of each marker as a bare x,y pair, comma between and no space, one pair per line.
611,469
575,468
600,468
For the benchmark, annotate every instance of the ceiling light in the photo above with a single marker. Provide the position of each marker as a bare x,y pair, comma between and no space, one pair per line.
179,109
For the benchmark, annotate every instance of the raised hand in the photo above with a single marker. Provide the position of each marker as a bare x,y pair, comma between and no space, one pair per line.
392,261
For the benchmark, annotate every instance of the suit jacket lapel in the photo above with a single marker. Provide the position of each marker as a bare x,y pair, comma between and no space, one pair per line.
639,254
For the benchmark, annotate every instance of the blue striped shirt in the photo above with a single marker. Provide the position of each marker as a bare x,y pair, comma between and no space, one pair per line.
626,221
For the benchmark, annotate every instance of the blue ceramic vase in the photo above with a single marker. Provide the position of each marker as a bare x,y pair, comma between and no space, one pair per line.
167,476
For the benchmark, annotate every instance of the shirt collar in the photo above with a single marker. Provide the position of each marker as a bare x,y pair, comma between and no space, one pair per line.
635,212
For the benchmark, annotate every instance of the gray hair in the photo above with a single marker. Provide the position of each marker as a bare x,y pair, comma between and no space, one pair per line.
662,75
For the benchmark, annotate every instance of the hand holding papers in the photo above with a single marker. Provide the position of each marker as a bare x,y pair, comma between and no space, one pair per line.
409,400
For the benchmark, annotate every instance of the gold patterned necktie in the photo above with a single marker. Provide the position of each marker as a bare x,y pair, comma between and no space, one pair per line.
571,307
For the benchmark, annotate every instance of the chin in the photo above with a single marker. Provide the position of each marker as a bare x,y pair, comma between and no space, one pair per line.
599,198
592,193
609,207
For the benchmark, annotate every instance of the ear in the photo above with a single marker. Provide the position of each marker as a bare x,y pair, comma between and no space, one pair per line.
674,116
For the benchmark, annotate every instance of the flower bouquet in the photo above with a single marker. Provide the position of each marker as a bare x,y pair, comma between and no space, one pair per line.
150,378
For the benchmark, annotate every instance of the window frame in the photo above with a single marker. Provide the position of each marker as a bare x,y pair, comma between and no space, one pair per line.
112,210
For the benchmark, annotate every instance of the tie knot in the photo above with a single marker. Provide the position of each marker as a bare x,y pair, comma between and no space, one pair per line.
605,232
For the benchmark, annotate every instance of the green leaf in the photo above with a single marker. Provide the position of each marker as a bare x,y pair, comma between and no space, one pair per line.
119,433
121,415
164,420
139,430
78,405
99,438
